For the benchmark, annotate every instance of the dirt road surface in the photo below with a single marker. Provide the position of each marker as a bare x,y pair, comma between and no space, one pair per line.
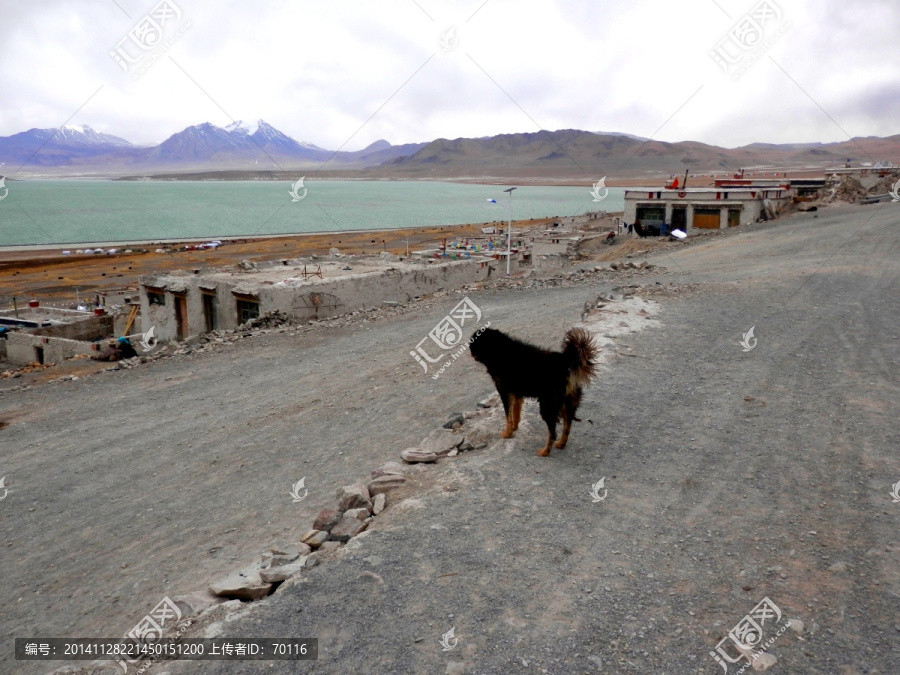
730,476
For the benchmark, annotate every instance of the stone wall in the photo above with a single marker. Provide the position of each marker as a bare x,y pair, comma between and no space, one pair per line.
553,261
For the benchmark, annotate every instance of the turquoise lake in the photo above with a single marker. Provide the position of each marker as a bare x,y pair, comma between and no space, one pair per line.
74,211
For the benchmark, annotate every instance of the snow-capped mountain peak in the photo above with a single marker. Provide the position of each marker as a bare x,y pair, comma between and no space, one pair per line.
262,133
83,135
201,146
243,127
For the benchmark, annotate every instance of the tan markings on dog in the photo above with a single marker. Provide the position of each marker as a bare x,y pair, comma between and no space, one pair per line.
510,417
517,411
567,426
545,451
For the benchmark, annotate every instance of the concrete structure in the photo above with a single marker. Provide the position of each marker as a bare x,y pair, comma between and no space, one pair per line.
48,335
30,318
753,182
180,305
705,208
118,296
879,170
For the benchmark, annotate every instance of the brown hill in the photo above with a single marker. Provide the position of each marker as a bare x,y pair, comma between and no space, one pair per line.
570,153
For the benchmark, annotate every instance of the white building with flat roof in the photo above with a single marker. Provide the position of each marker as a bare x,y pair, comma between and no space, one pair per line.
661,210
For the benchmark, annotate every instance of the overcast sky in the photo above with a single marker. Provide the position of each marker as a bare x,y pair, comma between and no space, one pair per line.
349,72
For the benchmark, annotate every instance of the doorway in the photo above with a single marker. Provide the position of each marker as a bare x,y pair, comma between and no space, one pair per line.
707,219
679,218
181,320
211,311
650,220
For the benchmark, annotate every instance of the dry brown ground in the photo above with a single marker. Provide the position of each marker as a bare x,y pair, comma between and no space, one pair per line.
600,252
52,277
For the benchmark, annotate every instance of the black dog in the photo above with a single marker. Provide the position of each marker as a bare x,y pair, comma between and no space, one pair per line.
555,379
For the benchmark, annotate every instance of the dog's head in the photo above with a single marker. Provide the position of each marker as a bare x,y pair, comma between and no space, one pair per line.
485,344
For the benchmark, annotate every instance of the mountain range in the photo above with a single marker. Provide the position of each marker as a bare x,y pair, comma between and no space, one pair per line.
247,148
203,147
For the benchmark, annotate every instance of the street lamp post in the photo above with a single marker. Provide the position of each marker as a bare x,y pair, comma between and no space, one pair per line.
509,232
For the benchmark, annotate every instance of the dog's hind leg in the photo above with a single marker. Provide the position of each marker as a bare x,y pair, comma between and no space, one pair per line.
570,407
567,415
550,414
567,426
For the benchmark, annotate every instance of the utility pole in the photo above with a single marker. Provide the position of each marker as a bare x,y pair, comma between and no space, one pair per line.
509,232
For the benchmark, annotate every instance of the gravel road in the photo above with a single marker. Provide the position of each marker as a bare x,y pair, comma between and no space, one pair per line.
731,476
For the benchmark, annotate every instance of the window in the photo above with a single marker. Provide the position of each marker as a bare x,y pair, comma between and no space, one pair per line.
247,308
156,297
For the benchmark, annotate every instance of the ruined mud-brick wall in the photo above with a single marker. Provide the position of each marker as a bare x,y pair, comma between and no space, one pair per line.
323,298
302,300
91,328
58,342
20,348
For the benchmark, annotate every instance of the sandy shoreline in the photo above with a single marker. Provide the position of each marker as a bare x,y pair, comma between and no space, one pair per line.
191,240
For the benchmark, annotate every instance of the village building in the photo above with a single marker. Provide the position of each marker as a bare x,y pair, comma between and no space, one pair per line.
46,335
806,189
658,211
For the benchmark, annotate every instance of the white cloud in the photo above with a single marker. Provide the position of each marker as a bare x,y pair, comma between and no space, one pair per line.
319,70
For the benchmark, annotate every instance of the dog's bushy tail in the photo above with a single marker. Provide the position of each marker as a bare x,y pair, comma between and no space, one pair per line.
580,351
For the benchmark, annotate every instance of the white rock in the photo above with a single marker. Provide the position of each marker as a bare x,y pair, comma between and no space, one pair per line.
353,496
283,572
380,503
382,484
412,455
441,442
796,625
244,584
764,661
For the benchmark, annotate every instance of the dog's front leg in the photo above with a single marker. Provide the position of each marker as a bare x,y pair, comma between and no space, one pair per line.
508,401
517,412
512,405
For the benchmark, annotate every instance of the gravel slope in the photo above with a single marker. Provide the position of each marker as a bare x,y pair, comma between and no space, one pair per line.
731,476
